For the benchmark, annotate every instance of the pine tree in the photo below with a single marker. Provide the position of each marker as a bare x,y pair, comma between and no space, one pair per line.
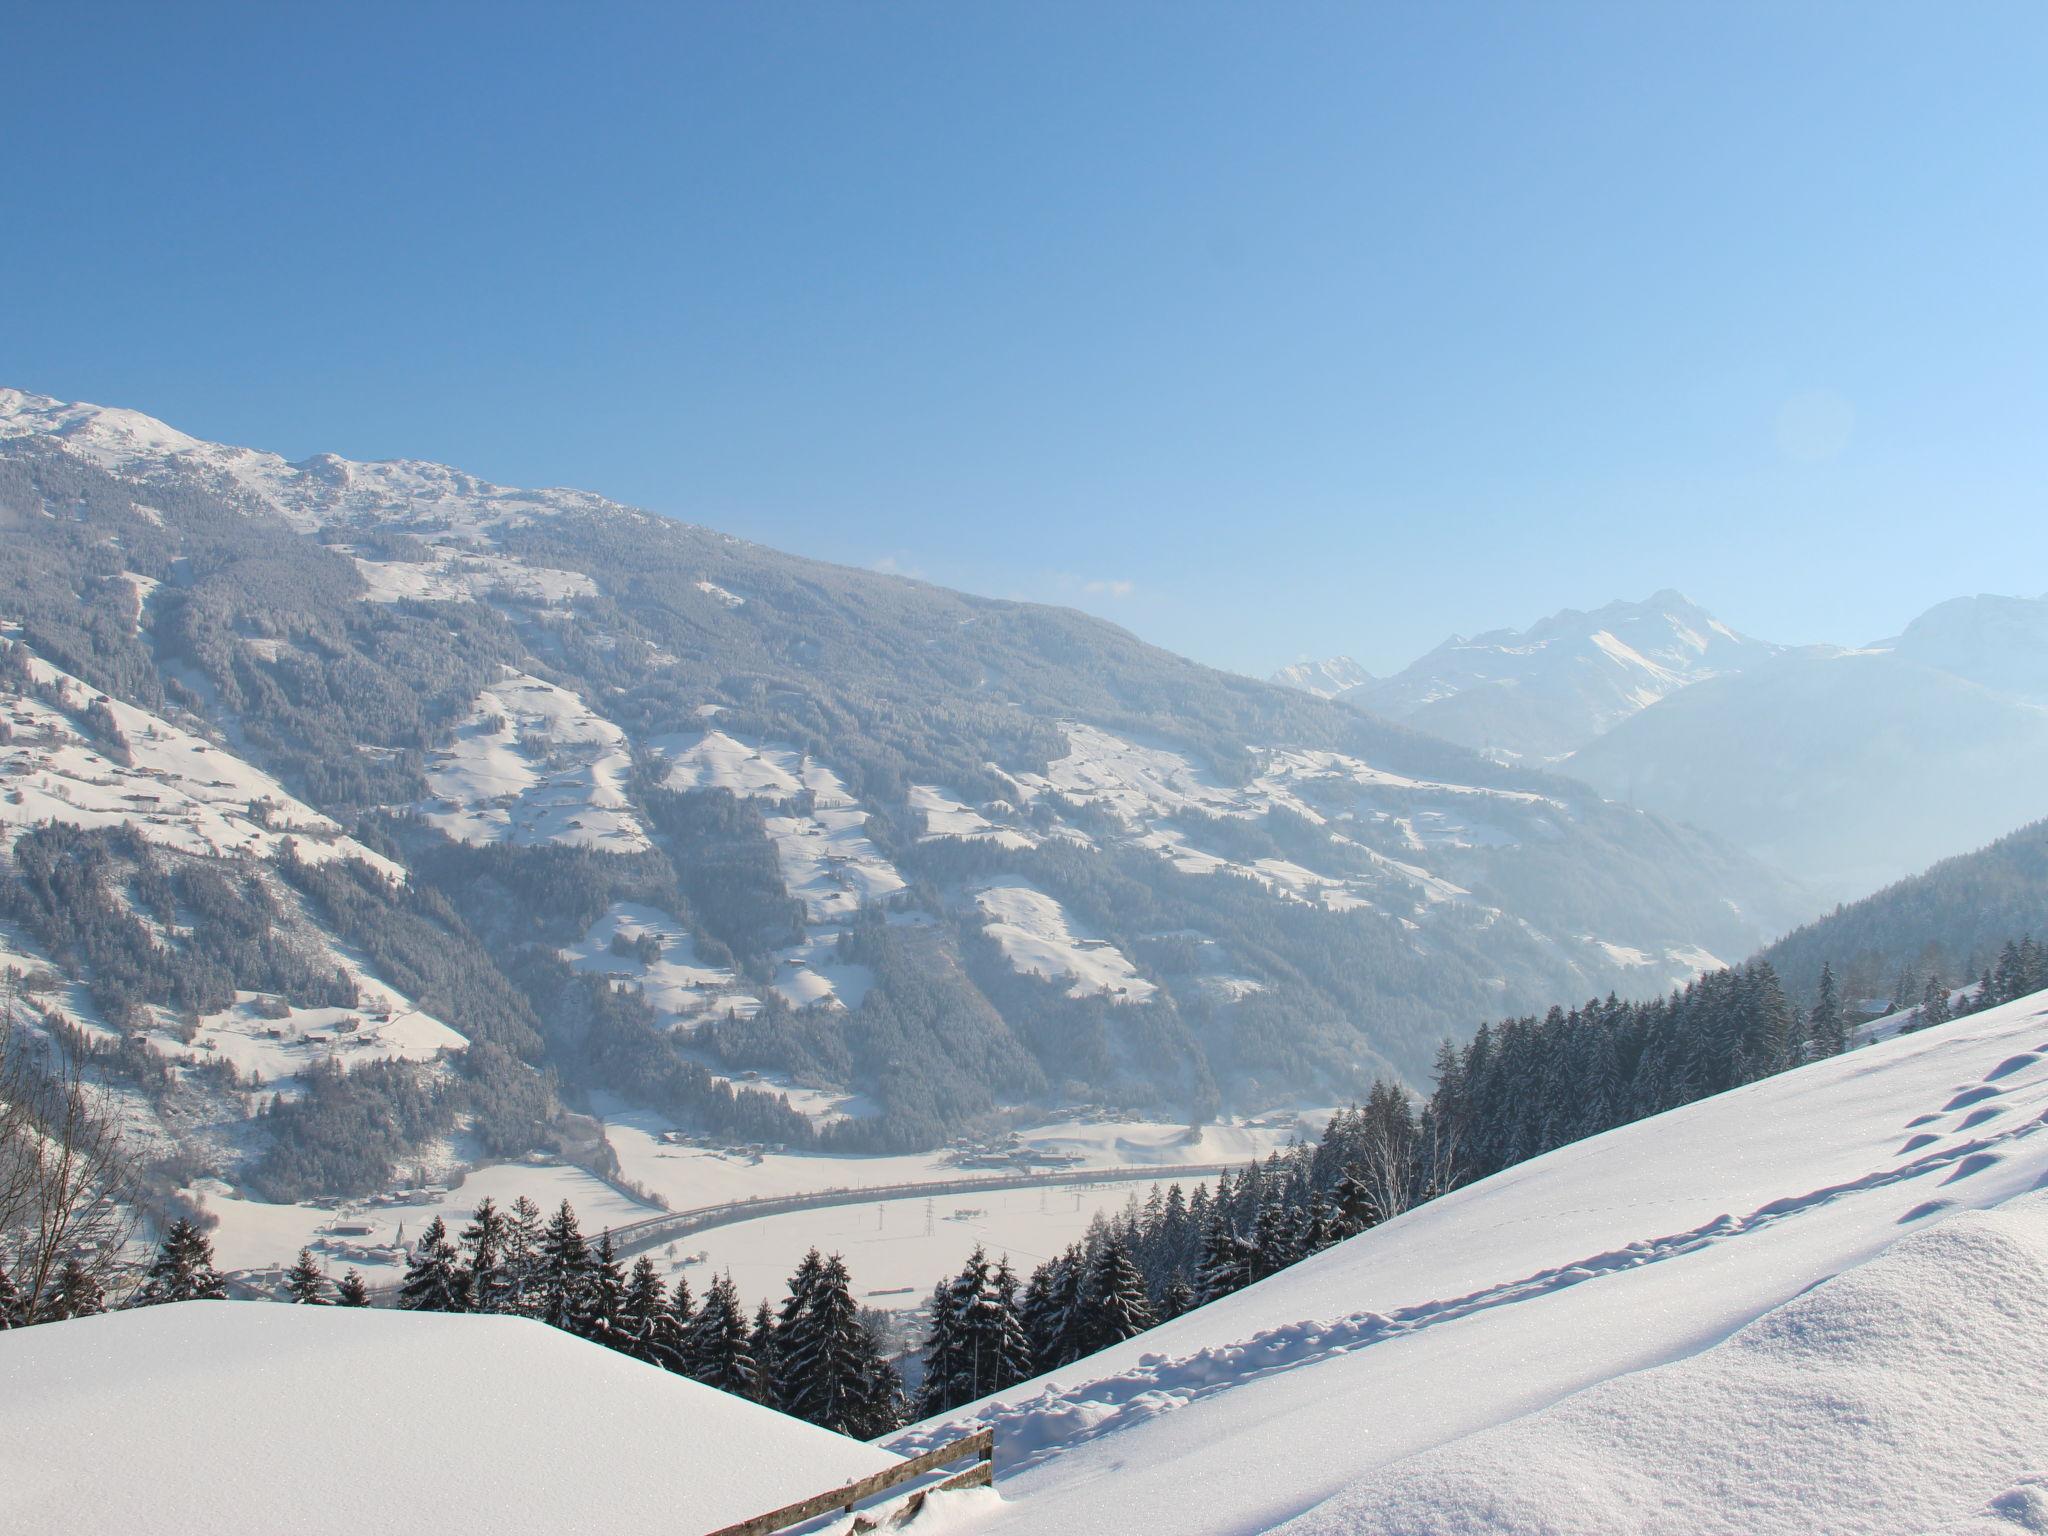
762,1342
351,1292
434,1281
1356,1209
1176,1300
607,1296
77,1292
483,1249
831,1368
1114,1305
1824,1025
13,1313
718,1347
182,1269
643,1314
778,1388
519,1261
1013,1348
304,1283
564,1289
938,1392
1225,1264
1933,1004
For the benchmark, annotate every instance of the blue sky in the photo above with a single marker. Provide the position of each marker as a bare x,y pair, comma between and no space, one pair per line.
1268,331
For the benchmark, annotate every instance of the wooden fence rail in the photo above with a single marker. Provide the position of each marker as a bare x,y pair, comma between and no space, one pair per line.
981,1445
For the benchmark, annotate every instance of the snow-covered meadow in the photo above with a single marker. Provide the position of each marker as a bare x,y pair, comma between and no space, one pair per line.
1811,1303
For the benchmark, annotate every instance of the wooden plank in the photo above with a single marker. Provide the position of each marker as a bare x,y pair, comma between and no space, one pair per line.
981,1443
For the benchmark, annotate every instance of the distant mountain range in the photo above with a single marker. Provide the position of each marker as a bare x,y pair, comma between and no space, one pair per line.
1843,767
384,767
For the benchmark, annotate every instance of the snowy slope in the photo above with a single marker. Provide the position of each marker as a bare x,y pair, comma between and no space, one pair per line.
1324,679
256,1417
1389,1383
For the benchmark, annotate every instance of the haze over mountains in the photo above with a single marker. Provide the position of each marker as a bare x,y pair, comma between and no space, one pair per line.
357,764
1843,767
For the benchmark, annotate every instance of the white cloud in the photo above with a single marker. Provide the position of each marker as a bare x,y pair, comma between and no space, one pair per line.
1099,586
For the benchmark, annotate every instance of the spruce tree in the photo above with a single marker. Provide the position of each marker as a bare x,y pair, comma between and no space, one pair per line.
77,1292
564,1289
351,1292
182,1269
519,1260
938,1392
643,1313
1013,1348
1176,1300
778,1388
831,1368
1114,1306
719,1355
1824,1025
483,1257
1933,1004
1225,1264
304,1283
605,1323
762,1341
434,1281
13,1312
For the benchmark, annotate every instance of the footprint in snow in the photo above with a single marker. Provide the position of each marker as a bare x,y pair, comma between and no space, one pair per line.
1914,1144
1971,1096
1976,1162
1926,1208
1977,1117
2010,1065
1921,1120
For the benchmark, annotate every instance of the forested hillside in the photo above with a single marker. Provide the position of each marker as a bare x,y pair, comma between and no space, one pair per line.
1951,923
517,795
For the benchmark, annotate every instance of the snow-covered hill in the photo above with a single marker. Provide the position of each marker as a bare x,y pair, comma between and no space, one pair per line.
1816,1303
209,1417
1539,693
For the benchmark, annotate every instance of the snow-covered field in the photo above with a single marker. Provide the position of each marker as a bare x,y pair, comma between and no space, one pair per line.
1674,1327
177,789
264,1035
533,764
1038,939
325,1421
897,1249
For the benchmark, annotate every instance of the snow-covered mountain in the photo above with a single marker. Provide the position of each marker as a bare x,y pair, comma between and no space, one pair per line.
1850,769
1540,693
330,765
1819,1302
1324,679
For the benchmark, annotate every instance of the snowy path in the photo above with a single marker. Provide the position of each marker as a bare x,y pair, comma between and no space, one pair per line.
1600,1260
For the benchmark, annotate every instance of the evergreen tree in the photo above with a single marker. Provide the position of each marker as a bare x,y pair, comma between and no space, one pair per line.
938,1392
1225,1264
304,1283
1933,1004
718,1350
483,1250
831,1369
1114,1305
519,1260
563,1292
778,1389
13,1313
643,1314
351,1292
1013,1347
762,1341
606,1321
434,1281
77,1292
1176,1300
182,1269
1824,1025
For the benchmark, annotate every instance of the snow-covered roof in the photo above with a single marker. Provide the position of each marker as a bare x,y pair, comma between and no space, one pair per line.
211,1417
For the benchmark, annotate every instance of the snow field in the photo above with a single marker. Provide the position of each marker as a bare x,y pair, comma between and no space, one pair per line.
946,817
178,790
679,984
459,575
323,1420
532,764
1613,1256
1038,940
896,1250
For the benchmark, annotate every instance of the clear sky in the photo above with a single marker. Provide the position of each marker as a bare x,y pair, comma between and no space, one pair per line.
1266,330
